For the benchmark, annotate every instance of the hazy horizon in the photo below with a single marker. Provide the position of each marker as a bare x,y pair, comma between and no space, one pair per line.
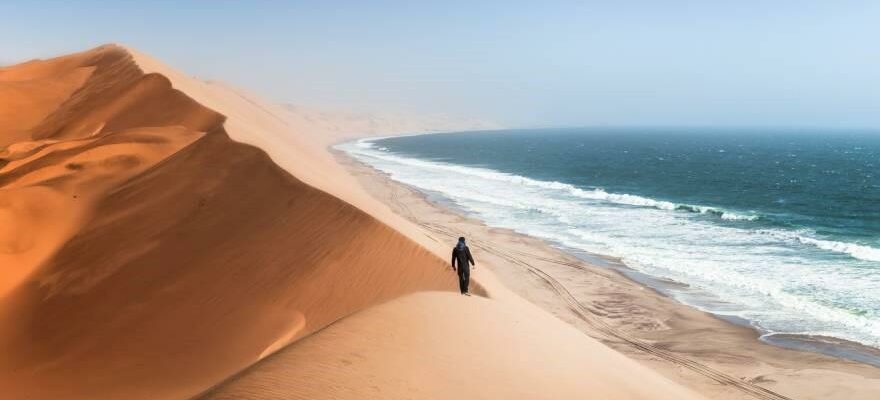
638,63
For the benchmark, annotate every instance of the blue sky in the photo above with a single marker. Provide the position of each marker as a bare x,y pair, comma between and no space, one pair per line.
725,63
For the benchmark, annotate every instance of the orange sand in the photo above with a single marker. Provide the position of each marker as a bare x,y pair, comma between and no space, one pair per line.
146,255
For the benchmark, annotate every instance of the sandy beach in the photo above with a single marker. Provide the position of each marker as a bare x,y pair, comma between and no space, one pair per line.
174,238
714,357
164,237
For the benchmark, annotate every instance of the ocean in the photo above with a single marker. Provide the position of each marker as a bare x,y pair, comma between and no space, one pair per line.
780,228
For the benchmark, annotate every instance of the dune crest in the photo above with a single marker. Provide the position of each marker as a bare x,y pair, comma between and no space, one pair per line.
147,255
167,238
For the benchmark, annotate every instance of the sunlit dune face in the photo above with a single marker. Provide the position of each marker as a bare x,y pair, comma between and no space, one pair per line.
145,255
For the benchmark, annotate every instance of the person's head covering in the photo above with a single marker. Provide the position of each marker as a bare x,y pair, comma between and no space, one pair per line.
461,242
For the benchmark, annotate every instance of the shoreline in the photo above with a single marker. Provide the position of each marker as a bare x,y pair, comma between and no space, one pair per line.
636,308
830,346
827,345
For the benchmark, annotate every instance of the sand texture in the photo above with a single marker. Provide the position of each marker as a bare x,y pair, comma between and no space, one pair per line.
162,237
147,255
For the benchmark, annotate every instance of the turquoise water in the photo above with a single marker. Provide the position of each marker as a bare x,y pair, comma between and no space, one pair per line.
780,228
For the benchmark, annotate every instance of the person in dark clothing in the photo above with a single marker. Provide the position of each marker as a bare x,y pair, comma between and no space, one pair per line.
462,254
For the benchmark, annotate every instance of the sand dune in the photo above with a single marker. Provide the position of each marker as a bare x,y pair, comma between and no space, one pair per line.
151,256
147,255
33,90
297,138
445,346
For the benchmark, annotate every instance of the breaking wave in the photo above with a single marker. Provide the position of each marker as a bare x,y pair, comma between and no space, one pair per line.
591,194
783,280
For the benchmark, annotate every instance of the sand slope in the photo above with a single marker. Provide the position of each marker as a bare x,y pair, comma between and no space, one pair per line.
297,139
32,90
149,256
445,346
146,255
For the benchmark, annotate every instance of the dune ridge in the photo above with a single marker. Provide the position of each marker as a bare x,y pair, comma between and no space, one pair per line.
147,244
167,238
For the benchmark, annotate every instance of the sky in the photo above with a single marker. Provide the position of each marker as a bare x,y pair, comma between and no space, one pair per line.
536,63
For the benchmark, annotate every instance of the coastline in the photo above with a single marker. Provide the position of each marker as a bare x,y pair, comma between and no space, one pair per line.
245,263
637,319
830,346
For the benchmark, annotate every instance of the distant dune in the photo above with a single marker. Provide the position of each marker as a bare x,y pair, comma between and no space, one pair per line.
159,236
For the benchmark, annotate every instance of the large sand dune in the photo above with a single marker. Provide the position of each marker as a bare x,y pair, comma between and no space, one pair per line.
146,255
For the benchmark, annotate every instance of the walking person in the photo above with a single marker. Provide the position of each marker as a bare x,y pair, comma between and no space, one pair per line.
462,254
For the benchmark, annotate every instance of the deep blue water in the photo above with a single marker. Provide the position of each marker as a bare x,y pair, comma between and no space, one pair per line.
781,228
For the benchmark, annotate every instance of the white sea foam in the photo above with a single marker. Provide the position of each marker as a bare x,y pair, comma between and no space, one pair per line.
782,280
858,251
592,194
